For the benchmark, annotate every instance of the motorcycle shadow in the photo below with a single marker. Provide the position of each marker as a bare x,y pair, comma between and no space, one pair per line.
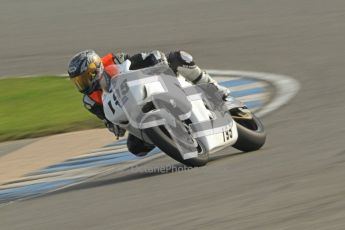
144,171
221,156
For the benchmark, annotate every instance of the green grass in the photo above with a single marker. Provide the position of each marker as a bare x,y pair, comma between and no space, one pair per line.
32,107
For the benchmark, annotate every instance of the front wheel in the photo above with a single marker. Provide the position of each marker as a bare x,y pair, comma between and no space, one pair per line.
161,138
251,134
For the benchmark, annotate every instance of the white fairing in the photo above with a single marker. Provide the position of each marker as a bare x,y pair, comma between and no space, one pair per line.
211,139
113,112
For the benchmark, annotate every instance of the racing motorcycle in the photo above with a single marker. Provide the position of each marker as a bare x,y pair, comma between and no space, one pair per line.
187,122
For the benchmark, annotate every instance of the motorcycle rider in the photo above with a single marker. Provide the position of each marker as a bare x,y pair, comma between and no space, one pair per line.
86,67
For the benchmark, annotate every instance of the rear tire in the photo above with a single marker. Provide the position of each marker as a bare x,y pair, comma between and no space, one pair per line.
251,134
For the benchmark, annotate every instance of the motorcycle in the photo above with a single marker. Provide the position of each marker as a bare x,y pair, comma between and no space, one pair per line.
187,122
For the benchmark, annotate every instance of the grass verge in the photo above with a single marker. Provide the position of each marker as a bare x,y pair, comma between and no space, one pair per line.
39,106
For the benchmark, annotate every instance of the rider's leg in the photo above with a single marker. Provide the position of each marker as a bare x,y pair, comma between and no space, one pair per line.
183,63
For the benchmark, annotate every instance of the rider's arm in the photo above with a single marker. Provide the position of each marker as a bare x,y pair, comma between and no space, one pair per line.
97,109
93,107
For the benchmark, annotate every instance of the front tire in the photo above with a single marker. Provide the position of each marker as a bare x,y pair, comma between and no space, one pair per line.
161,138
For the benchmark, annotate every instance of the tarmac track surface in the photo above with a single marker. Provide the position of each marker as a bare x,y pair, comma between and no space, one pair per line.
295,182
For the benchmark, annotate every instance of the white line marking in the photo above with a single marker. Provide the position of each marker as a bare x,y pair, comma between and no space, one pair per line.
99,152
249,86
286,87
260,97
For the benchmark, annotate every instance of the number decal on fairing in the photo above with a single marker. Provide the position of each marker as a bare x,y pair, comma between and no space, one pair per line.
113,102
116,101
227,135
111,107
124,90
124,87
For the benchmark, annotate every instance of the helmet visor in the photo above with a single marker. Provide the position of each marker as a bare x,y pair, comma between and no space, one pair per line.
83,81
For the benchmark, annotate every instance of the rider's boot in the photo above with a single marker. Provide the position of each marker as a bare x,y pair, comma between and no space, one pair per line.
206,78
137,146
182,62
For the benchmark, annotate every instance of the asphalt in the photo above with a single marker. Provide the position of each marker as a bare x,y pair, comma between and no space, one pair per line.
295,182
